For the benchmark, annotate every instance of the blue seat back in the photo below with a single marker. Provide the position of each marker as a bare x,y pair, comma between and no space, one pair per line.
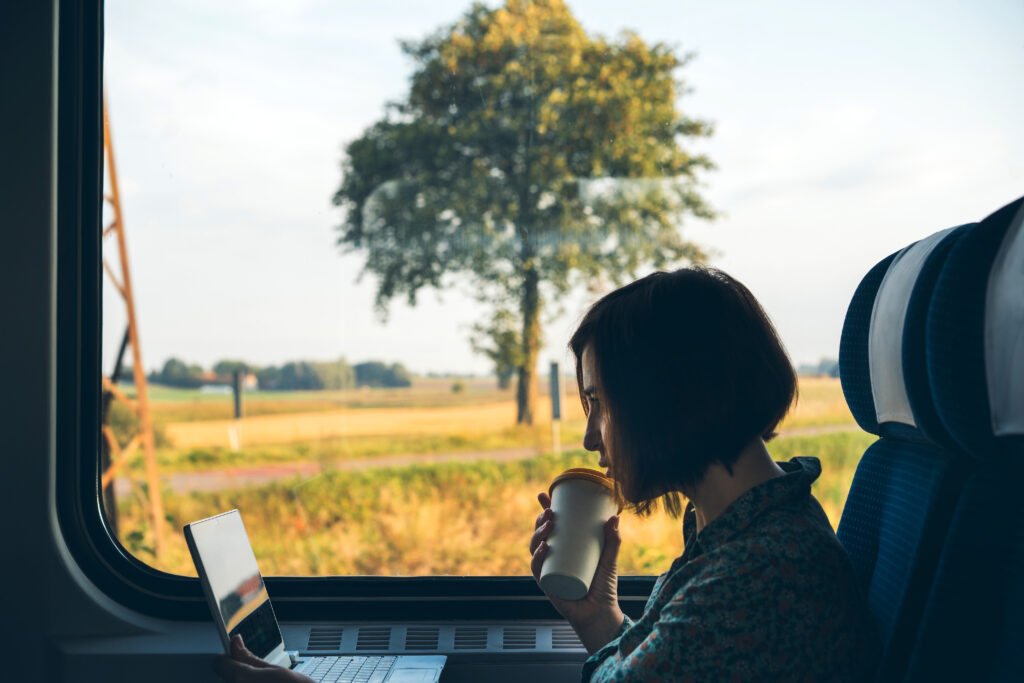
897,510
973,622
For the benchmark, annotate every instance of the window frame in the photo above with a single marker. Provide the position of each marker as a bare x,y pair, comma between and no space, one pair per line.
93,546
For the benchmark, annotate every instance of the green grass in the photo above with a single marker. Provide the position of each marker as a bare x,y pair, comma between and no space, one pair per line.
326,451
470,518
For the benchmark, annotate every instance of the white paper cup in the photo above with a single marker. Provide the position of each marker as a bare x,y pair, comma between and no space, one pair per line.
582,501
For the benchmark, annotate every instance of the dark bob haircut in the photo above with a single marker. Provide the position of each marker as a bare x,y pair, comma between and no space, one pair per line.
690,370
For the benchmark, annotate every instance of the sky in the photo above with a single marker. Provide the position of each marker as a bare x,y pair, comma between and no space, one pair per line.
843,132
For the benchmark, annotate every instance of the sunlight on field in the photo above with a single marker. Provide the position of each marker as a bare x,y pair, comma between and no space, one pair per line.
269,429
326,453
820,404
456,518
460,518
172,404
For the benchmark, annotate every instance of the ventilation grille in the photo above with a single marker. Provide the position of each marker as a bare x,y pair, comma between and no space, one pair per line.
471,638
519,639
325,638
564,638
421,638
374,638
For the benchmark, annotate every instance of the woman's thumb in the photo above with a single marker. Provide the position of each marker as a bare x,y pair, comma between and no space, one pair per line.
240,653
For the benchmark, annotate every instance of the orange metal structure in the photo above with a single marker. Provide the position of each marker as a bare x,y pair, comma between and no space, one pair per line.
140,406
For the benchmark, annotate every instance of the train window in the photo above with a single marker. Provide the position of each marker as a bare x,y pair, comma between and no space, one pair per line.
343,248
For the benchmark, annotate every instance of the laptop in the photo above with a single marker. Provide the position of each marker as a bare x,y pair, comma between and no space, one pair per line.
240,605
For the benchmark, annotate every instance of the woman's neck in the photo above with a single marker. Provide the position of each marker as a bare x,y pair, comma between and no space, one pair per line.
718,489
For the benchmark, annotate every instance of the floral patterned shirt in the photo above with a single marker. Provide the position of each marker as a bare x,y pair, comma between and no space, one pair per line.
762,593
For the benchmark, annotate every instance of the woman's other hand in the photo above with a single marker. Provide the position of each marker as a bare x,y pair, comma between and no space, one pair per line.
597,617
243,666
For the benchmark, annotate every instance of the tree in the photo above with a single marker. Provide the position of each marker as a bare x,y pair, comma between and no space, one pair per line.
335,374
176,373
499,339
307,376
373,373
226,368
529,157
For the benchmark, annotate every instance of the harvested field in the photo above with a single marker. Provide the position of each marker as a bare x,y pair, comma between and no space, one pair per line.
271,429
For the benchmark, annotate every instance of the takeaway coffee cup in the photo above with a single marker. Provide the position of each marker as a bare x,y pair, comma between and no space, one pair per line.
582,501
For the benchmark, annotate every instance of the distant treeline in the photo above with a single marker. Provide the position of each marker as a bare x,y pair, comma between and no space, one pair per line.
826,366
293,376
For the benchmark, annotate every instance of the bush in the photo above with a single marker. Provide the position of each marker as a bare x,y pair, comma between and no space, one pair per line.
125,424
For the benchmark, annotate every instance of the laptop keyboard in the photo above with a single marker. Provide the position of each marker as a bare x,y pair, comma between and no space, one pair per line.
350,669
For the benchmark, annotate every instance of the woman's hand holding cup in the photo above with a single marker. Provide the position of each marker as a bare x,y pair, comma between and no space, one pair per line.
596,617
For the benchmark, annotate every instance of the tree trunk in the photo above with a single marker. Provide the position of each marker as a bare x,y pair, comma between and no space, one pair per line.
526,391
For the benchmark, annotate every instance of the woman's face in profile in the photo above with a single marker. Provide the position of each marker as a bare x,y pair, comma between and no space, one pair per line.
597,422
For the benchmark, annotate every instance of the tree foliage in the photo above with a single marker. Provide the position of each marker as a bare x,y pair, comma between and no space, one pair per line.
499,339
177,373
228,367
529,156
377,374
307,376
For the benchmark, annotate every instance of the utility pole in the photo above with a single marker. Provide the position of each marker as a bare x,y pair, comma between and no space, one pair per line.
555,391
140,406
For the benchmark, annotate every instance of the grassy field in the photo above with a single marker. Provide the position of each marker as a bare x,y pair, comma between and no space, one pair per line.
820,403
455,518
459,518
289,428
336,450
171,404
363,431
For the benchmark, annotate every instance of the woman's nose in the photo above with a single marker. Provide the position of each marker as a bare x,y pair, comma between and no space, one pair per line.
592,439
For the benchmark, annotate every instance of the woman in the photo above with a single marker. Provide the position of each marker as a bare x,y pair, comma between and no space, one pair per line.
683,379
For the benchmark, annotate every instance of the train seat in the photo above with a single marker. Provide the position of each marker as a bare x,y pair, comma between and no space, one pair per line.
973,622
897,511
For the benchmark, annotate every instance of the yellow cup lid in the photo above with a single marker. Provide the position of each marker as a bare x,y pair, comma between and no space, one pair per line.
586,473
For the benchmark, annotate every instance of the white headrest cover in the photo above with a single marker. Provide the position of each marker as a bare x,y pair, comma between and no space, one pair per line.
885,337
1004,332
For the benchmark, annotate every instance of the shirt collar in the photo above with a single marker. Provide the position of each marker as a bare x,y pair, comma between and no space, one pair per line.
794,485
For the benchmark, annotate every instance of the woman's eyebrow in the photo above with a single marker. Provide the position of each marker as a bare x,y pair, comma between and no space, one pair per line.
590,392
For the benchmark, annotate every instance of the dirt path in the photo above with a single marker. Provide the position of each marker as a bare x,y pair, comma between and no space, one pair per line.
237,477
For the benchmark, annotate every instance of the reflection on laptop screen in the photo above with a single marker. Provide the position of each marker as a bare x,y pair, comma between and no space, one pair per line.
235,581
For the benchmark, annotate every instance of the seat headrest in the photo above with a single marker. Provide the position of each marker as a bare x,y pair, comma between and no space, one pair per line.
882,348
854,372
975,331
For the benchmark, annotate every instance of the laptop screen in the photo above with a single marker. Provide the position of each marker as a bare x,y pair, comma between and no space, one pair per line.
226,557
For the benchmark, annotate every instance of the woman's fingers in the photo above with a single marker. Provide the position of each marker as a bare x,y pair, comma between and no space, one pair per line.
540,534
612,541
537,561
543,524
543,517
